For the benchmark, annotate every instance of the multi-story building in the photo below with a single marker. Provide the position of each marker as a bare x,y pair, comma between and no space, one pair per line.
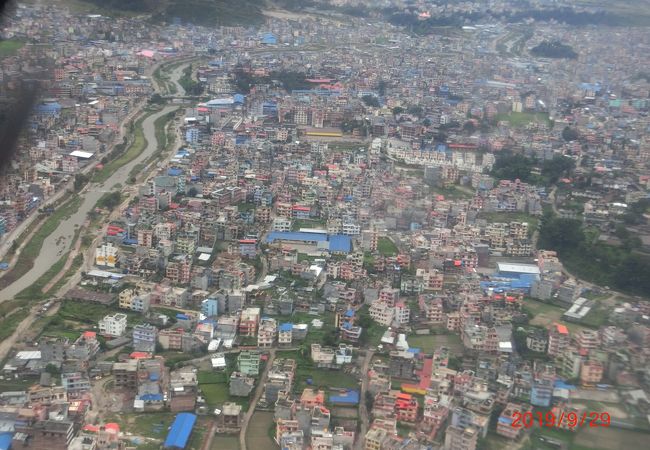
129,299
113,325
266,332
248,362
249,321
558,339
144,338
504,424
210,307
285,334
591,372
457,438
106,255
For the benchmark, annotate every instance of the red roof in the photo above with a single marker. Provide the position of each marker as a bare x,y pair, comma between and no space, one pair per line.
300,208
139,355
562,329
89,334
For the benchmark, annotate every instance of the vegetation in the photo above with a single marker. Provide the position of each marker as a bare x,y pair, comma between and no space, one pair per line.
386,247
109,200
290,80
191,86
10,47
511,166
522,119
586,257
554,49
370,100
124,157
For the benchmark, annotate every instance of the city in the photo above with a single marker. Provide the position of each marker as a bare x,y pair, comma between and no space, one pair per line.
332,225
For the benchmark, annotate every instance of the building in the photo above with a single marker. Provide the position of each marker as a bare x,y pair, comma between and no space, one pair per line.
210,307
43,435
180,431
106,255
248,321
285,334
266,332
591,372
126,374
113,326
558,339
504,423
458,438
248,362
144,338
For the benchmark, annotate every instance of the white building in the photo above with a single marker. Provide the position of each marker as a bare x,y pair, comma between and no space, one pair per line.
114,325
106,255
281,224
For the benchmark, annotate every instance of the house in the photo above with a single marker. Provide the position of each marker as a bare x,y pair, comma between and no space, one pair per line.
505,426
248,362
113,325
558,339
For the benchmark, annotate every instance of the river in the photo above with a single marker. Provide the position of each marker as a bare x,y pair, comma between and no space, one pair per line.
59,242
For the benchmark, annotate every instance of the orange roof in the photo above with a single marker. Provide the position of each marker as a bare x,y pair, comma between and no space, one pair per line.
404,396
90,334
562,329
139,355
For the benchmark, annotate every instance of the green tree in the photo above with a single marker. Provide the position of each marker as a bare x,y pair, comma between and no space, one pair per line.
370,100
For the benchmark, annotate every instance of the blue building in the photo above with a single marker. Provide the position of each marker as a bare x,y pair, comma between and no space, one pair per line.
180,431
210,307
192,135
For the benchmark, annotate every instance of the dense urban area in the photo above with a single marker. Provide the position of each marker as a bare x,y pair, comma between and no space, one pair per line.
328,225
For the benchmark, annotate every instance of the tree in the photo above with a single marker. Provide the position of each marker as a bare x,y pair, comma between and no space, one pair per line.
192,192
370,100
397,110
570,134
416,110
52,369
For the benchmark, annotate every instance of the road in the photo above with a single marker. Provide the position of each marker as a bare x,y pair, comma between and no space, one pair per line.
363,411
59,242
256,398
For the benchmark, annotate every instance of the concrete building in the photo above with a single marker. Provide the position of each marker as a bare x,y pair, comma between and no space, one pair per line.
113,325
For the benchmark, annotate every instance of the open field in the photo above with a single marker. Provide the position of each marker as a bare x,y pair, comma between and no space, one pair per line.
220,442
522,119
10,47
429,343
386,247
257,436
610,438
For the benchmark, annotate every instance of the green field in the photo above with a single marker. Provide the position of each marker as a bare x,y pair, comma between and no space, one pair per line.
386,247
522,119
320,378
10,47
429,343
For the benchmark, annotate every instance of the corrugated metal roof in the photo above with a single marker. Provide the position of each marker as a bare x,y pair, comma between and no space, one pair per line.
180,431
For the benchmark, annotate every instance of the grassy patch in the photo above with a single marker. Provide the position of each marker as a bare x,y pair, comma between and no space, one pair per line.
9,323
386,247
320,378
508,217
429,343
522,119
10,47
74,267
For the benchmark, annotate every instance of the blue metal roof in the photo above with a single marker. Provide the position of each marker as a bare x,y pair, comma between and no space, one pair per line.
340,243
174,172
5,440
152,397
180,431
349,313
286,327
350,397
296,236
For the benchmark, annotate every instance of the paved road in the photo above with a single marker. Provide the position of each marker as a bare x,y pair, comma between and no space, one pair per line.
256,398
59,242
363,411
